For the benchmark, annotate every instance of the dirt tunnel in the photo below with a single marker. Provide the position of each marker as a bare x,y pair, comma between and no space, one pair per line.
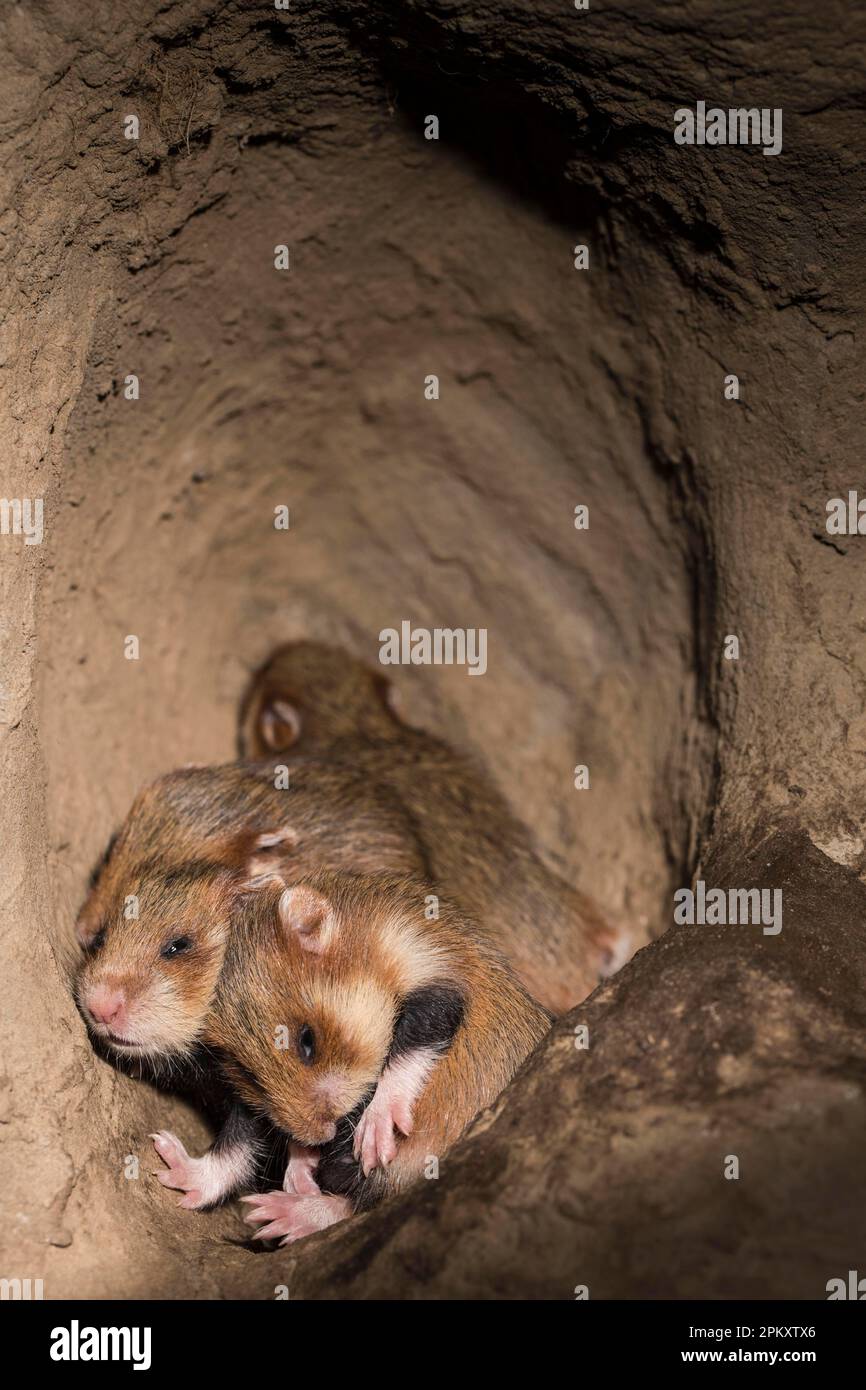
308,388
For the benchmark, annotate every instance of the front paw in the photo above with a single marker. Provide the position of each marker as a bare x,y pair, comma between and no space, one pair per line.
292,1216
376,1132
183,1173
299,1179
615,948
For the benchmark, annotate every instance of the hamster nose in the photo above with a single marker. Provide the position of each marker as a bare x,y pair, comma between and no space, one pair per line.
106,1005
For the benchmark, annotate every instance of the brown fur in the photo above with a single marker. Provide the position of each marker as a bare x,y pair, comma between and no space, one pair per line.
334,815
366,794
558,940
171,996
188,847
502,1026
380,939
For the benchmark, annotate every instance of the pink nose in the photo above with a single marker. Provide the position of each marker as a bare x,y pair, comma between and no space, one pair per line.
107,1005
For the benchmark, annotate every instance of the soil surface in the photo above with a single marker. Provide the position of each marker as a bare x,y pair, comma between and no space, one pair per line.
602,1166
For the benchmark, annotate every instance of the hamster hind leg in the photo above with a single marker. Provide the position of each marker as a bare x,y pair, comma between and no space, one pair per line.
228,1165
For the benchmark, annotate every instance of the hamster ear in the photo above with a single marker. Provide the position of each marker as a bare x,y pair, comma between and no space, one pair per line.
86,925
309,917
248,852
261,852
279,724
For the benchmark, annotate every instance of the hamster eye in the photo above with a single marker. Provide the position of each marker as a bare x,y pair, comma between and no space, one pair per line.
96,942
306,1044
176,947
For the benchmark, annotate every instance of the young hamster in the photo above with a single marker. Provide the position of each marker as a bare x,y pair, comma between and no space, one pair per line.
365,794
154,924
156,921
363,998
311,699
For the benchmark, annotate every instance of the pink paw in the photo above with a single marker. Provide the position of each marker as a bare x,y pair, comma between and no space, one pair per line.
616,950
183,1173
376,1132
292,1216
299,1179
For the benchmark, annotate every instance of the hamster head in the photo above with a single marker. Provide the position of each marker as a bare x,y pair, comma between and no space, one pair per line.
310,994
154,925
152,960
315,694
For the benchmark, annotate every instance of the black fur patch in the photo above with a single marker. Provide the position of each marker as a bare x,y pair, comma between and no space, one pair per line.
428,1017
241,1126
339,1171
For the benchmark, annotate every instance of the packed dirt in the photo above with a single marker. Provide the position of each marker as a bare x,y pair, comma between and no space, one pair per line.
259,388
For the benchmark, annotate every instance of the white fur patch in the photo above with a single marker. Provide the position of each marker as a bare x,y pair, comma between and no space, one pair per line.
221,1171
156,1021
207,1179
403,1080
413,950
159,1020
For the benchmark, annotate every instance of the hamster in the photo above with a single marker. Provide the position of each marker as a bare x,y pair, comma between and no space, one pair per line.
366,794
384,798
156,921
311,699
368,1029
152,959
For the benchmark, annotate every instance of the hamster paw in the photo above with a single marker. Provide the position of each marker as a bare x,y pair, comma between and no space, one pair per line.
376,1132
292,1216
299,1179
183,1173
616,950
